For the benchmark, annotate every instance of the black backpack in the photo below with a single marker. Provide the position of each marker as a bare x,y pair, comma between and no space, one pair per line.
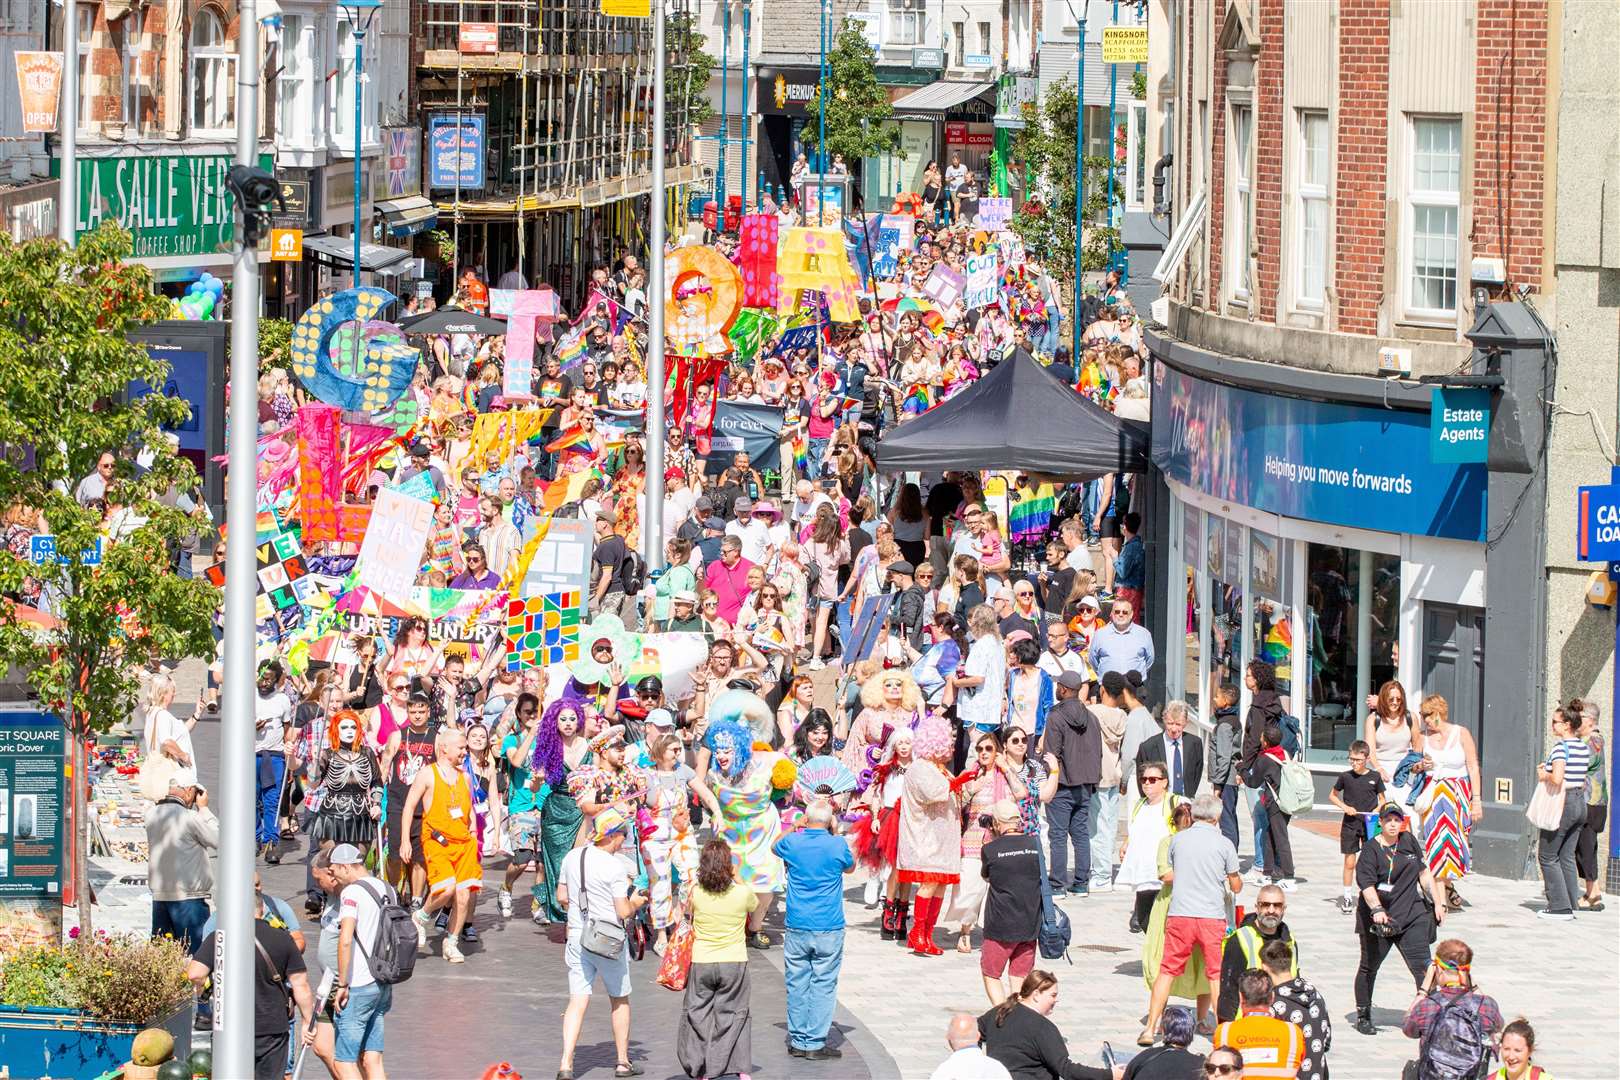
392,956
633,572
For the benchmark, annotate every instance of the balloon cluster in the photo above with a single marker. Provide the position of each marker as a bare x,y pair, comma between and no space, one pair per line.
200,300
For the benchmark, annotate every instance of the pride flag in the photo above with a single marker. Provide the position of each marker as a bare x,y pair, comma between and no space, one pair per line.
1032,515
919,400
568,439
1278,643
570,346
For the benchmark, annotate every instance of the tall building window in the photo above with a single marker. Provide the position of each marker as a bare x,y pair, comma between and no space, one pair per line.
958,44
86,14
984,39
1315,164
213,74
906,19
1240,202
297,117
1432,213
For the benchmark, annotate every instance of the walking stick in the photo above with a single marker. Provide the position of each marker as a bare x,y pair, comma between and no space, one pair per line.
320,1006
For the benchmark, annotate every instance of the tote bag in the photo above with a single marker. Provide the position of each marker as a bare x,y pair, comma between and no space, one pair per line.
1546,809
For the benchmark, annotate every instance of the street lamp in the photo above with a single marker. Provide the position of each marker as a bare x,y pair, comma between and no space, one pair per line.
747,117
725,112
821,125
360,13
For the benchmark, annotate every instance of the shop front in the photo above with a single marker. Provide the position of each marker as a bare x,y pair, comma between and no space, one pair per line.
782,98
1328,539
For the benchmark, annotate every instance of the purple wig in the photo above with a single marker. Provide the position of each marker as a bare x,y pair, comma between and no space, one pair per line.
548,747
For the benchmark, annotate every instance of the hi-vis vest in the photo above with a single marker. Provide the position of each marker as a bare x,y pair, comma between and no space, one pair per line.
1250,942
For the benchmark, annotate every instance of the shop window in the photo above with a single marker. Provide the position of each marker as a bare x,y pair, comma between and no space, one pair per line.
1271,622
213,75
1352,636
1223,558
1192,534
1432,211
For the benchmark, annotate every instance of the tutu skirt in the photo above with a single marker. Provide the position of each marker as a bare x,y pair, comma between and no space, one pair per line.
877,842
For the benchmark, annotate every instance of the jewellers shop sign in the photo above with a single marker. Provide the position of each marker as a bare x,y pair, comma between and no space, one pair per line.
173,205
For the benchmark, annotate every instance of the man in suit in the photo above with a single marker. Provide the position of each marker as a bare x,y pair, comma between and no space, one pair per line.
1181,751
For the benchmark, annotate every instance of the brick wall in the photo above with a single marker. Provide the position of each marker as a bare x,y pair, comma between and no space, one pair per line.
1217,159
1268,157
1361,129
1510,103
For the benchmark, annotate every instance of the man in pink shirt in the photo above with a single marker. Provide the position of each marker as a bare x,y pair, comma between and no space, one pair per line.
727,578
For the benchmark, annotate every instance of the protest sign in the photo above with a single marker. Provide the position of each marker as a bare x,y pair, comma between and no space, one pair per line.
994,214
944,285
392,552
982,274
741,426
886,259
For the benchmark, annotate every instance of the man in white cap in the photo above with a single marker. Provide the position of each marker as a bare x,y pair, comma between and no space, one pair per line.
359,1000
754,532
180,832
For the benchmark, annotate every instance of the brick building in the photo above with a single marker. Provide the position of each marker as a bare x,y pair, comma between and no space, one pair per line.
1375,246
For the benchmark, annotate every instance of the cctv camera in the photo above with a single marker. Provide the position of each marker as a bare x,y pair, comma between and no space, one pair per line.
255,188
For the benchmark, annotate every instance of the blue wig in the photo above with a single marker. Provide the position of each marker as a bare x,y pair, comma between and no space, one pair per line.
734,737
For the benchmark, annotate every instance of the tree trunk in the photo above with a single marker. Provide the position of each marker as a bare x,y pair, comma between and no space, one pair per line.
81,832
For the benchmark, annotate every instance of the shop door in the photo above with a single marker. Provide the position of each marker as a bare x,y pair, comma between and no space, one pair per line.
1454,663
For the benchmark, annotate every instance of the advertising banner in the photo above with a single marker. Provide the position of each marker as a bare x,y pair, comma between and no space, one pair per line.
32,806
39,82
456,151
1354,465
741,426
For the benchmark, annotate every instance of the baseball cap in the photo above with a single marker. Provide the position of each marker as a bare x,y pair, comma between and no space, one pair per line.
608,516
1019,635
1005,810
1090,602
1391,809
347,855
420,449
743,505
702,505
714,523
661,718
674,472
1071,680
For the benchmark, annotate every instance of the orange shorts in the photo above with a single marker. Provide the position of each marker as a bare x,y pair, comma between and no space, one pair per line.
1181,935
453,865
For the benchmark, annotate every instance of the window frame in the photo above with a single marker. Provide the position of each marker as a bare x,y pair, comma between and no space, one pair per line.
340,111
207,58
86,46
1305,193
959,44
1136,131
896,13
298,122
1239,231
1412,198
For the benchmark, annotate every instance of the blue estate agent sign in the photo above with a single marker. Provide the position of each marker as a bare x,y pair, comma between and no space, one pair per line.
1597,521
456,151
1459,424
1354,465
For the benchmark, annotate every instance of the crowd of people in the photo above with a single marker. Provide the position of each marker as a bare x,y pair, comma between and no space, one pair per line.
985,743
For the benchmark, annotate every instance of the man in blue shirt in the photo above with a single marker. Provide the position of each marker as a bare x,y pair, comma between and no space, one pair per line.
1130,568
813,947
1122,645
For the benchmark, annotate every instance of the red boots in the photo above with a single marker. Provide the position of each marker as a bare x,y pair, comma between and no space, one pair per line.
921,940
891,920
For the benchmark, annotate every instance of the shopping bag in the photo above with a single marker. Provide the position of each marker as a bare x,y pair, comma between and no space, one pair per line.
677,958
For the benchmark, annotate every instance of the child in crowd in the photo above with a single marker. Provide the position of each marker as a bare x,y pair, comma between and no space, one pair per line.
1357,792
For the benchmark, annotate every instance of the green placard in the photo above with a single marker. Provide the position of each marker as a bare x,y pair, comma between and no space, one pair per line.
173,204
32,810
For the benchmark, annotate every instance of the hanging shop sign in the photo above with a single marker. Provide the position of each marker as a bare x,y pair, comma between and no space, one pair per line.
1125,45
1459,424
286,245
296,200
172,204
32,786
39,84
456,151
1597,520
1351,465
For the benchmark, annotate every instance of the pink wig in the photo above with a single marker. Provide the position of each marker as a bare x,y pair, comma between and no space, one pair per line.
932,741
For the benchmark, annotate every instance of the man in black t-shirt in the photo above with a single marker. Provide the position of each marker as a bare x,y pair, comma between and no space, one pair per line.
608,591
279,977
1011,863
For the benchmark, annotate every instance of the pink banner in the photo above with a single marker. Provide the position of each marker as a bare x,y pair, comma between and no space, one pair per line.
320,487
756,259
528,308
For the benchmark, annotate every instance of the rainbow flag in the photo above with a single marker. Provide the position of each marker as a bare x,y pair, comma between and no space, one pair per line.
570,346
918,401
1278,643
801,452
568,440
1032,515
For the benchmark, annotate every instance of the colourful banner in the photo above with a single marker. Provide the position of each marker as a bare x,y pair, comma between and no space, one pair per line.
392,552
527,308
320,486
756,259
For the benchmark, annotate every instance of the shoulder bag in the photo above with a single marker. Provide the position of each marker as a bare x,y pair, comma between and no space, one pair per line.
157,768
600,937
1546,808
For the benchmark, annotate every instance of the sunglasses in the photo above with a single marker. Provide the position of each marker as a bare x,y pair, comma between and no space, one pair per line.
397,687
1152,779
1017,740
1212,1068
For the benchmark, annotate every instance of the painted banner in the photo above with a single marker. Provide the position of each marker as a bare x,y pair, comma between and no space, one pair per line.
1340,464
527,308
320,486
456,617
742,426
994,213
816,260
886,259
39,82
983,272
944,285
392,552
756,260
283,587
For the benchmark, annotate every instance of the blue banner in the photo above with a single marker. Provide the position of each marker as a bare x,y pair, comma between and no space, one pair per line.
1350,465
456,151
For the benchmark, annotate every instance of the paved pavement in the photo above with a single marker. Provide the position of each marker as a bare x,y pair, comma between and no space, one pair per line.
504,1003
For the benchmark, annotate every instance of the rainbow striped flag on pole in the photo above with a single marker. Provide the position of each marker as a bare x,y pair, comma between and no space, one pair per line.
1032,515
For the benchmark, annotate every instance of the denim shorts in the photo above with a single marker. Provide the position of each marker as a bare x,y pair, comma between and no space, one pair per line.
359,1024
584,967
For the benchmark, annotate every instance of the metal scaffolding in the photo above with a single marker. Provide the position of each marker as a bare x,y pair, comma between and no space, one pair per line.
567,102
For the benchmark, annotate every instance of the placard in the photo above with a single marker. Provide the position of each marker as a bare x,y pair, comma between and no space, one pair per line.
32,804
994,213
543,630
391,554
886,259
39,82
983,271
944,285
562,562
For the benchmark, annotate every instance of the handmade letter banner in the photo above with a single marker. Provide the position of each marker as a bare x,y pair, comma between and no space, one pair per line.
944,285
982,275
705,295
886,259
542,630
756,259
283,585
392,552
320,485
528,307
906,224
994,214
815,259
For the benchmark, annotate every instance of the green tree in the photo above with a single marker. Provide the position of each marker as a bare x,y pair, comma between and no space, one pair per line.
275,343
1046,145
686,78
858,110
66,363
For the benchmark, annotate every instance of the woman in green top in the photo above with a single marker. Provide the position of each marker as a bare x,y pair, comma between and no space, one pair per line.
715,1037
677,578
559,749
1597,805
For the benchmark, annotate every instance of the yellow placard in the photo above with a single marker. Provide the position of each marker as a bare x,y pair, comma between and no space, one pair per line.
816,259
628,9
286,245
1125,45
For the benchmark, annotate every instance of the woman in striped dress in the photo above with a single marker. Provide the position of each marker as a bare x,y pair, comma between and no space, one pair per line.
1450,806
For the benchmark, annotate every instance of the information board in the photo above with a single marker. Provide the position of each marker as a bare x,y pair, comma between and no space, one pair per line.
32,792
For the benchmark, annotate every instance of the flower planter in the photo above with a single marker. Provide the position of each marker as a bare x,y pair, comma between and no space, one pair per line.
63,1044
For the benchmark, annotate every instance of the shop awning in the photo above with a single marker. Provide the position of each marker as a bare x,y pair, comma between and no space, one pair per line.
408,216
941,96
339,251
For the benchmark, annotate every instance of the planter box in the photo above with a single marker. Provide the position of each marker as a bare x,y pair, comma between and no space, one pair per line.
66,1045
